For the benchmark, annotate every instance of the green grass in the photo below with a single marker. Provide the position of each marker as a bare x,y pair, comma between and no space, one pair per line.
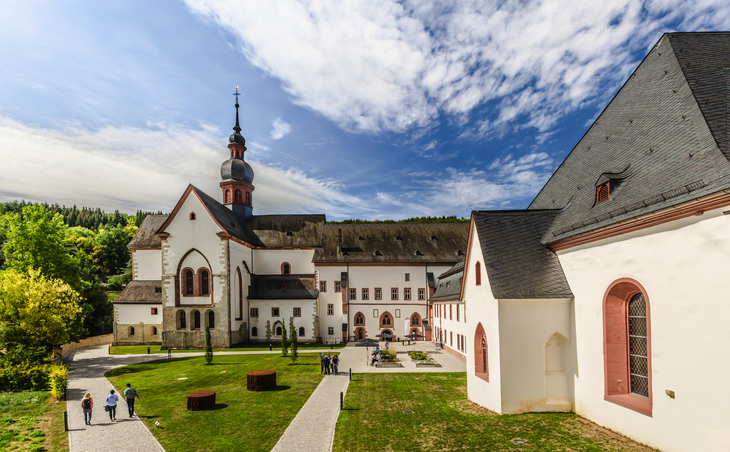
242,420
255,347
374,420
31,421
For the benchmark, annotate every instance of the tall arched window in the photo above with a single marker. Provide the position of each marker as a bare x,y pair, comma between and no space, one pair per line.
415,319
248,199
181,321
301,331
228,196
189,287
478,273
386,320
154,331
238,196
359,319
131,331
196,320
204,281
278,331
211,319
481,358
627,346
239,294
285,268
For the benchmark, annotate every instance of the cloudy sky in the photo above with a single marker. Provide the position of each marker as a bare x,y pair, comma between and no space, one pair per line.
360,109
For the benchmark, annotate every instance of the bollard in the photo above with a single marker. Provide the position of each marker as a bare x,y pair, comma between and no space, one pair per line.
148,350
342,400
269,347
350,373
109,350
65,421
169,353
332,347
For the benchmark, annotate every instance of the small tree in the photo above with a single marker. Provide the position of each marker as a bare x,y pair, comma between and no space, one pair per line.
294,353
284,342
208,347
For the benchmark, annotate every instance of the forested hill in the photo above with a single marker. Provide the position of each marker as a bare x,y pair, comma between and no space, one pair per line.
86,217
449,219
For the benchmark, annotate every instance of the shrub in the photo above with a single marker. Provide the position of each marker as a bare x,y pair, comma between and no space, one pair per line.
417,356
24,376
208,347
58,380
388,355
284,342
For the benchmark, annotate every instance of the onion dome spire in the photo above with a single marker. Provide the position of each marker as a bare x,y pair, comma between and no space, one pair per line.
236,137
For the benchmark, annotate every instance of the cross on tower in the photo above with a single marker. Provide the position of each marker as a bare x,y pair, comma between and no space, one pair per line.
236,94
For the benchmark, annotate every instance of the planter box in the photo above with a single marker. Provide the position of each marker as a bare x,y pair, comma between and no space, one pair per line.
422,364
389,364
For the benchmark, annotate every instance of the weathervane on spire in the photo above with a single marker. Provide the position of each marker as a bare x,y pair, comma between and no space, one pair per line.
236,94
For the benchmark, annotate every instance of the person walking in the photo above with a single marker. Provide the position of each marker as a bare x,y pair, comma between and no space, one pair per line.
335,363
326,362
130,393
87,403
111,405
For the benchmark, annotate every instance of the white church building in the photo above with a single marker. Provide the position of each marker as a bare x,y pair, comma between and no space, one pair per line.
247,277
607,295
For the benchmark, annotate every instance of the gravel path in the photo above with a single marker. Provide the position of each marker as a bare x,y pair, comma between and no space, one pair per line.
87,368
313,429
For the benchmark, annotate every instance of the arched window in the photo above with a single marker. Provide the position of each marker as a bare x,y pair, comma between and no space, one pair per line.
204,282
254,331
359,319
189,287
154,331
278,331
248,199
196,320
181,321
131,331
627,346
481,358
301,331
478,273
602,192
386,320
415,319
228,196
238,196
239,294
285,268
211,320
192,215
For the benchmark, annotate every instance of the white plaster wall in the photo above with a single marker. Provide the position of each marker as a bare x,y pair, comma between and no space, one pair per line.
149,264
682,265
286,311
481,307
186,234
330,274
138,313
457,327
525,327
268,262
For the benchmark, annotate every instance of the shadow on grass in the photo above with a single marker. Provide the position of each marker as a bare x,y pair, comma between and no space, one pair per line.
147,417
217,406
281,388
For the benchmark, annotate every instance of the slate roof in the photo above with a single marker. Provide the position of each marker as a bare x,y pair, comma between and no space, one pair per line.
654,144
518,265
145,236
393,242
265,287
272,230
449,284
140,292
232,224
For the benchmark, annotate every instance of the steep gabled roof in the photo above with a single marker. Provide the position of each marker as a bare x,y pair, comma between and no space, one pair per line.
654,144
449,284
145,236
283,287
518,265
140,292
287,230
393,242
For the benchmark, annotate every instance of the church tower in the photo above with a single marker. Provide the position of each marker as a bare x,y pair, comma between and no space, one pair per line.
237,175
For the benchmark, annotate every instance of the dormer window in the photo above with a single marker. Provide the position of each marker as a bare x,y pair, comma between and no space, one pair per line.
361,238
419,253
378,253
398,238
433,237
289,233
602,193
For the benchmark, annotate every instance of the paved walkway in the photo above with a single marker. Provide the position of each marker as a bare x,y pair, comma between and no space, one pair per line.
358,358
87,368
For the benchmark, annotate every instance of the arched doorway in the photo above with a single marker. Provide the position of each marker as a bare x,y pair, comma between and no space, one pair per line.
360,333
387,332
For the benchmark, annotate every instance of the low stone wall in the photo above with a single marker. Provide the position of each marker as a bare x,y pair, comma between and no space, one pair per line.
88,342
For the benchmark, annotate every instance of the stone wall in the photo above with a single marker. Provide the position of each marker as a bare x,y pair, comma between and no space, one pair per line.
88,342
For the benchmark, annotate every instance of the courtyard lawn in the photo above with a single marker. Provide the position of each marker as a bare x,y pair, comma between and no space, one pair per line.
443,419
241,420
31,421
257,347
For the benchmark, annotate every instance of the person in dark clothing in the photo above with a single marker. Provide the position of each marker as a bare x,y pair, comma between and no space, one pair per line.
326,362
335,363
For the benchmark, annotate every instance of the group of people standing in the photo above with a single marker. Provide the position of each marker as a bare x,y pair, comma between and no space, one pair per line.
330,364
110,403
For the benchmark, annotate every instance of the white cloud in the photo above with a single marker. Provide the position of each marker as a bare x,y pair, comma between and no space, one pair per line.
279,129
384,65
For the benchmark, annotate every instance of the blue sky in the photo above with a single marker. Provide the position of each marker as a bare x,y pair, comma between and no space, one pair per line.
364,109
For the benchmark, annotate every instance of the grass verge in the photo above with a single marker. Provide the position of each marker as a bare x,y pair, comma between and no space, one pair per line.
142,349
443,419
241,420
31,421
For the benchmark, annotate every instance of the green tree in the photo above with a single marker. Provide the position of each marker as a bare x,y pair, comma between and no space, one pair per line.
37,311
114,254
36,239
284,342
294,346
98,310
208,347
